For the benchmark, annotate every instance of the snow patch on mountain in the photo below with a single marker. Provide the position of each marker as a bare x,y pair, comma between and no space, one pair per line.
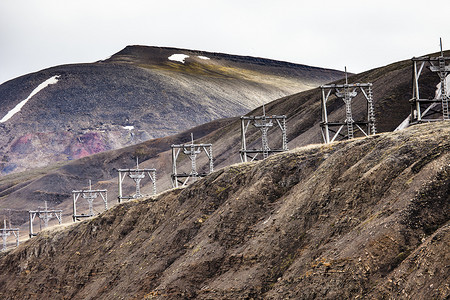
18,107
178,57
203,57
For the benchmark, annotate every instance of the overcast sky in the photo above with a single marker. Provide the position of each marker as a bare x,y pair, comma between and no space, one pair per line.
359,34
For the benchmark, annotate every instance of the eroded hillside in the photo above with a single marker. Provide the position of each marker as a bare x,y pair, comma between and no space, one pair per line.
366,218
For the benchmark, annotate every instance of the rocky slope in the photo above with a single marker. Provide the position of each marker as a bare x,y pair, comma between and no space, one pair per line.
137,94
366,218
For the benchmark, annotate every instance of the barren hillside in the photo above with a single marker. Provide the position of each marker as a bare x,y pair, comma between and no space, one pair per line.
366,218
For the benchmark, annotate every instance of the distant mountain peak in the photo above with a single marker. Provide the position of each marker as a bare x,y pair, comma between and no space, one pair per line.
159,91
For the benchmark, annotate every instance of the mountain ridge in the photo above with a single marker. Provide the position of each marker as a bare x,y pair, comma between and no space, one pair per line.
131,49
